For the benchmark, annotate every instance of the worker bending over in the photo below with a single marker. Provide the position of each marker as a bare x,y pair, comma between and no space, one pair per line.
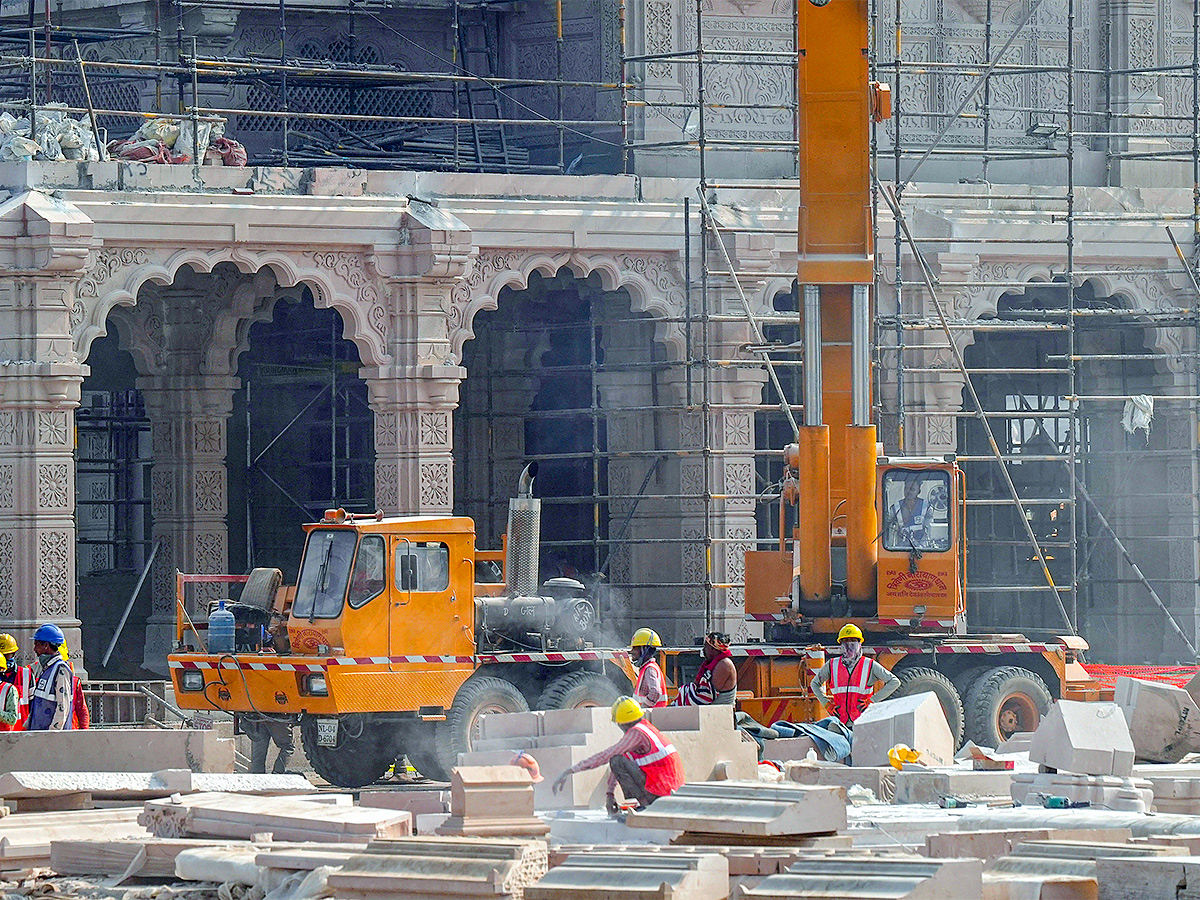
54,693
851,679
716,682
651,688
643,762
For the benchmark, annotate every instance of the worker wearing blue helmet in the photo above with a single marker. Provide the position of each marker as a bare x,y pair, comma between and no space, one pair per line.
50,708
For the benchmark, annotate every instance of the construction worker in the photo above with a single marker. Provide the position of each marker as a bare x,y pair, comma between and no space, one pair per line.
54,693
643,762
9,707
651,688
261,731
851,679
20,677
716,682
81,716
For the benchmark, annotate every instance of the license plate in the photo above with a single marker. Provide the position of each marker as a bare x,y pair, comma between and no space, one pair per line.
202,722
327,732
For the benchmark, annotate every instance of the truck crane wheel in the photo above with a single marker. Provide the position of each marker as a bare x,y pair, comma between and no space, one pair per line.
967,677
919,679
578,689
363,753
1004,701
478,697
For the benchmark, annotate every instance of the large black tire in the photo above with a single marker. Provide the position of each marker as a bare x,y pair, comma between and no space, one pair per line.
578,689
364,750
1004,701
967,677
919,679
478,697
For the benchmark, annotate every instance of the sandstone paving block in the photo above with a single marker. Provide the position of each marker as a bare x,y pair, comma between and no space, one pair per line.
785,749
1101,791
849,877
1157,878
584,789
879,780
25,838
595,720
1087,738
504,725
287,818
1164,720
448,866
742,808
916,720
917,785
145,785
635,874
1139,824
990,845
1019,742
115,750
416,802
491,800
145,857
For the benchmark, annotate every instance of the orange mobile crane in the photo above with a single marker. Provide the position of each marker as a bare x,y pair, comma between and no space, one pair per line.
399,634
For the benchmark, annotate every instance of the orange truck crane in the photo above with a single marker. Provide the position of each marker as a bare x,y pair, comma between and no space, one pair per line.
399,635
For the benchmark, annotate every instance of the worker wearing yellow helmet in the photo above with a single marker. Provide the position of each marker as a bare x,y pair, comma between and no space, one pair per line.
651,688
643,762
21,679
8,700
852,678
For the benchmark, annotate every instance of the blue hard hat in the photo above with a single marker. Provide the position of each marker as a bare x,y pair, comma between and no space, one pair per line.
51,634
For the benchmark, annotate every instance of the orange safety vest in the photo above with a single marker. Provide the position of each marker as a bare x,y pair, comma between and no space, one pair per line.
23,684
662,764
851,688
662,683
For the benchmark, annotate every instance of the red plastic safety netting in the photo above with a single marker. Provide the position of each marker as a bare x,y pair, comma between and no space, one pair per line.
1108,675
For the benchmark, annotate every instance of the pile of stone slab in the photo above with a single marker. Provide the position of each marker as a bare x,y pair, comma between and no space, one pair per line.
26,838
46,791
635,873
1086,754
416,868
319,817
704,736
745,812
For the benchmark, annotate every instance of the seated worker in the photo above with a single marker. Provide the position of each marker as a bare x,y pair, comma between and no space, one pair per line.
651,688
642,762
851,678
716,682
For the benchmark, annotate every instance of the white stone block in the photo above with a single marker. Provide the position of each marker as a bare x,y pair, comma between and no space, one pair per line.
1088,738
115,750
917,785
916,720
1101,791
1164,720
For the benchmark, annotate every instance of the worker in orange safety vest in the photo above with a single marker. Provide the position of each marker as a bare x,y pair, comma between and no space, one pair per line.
643,762
851,678
20,677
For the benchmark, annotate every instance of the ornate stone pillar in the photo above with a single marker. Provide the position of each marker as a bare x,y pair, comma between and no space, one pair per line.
45,250
188,493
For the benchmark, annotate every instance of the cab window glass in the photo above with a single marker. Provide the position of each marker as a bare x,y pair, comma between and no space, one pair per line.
422,566
321,586
917,510
367,581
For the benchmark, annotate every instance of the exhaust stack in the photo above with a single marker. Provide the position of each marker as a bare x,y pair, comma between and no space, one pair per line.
521,561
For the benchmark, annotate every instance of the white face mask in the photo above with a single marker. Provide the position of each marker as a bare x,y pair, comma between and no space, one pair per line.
851,650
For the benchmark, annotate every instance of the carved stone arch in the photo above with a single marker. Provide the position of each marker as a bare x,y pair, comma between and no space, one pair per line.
251,302
1154,289
338,279
770,289
653,280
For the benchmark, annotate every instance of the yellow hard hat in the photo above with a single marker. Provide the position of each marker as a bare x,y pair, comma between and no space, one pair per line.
8,644
62,651
626,711
3,661
850,630
645,637
901,754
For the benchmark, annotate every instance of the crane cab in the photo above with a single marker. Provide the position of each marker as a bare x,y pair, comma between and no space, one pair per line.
922,542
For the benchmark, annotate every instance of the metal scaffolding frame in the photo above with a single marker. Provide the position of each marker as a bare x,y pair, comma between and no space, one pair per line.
1082,335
